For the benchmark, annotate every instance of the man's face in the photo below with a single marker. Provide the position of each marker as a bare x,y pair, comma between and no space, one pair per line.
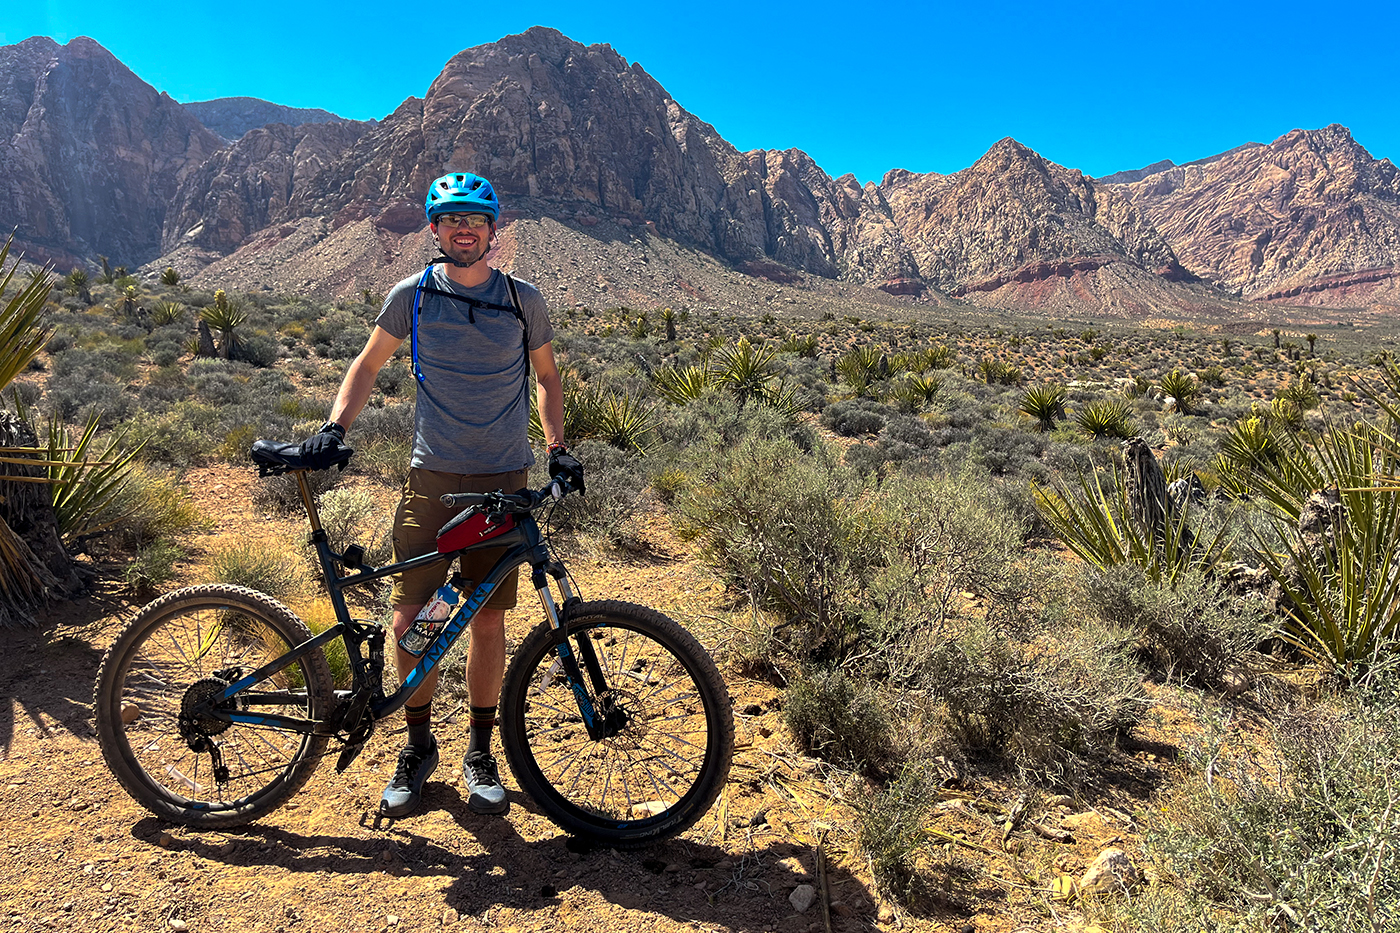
463,242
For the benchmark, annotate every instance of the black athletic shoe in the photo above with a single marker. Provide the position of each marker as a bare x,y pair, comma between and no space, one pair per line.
415,765
484,782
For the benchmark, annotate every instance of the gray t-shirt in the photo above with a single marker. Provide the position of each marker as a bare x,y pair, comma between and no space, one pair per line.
473,409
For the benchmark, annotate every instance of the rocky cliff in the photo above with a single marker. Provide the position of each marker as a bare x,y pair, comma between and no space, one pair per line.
1308,214
231,117
92,154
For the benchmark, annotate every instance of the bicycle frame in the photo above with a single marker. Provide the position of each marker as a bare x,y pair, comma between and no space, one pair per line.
524,545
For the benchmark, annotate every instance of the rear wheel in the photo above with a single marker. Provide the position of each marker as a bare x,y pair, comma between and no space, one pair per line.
667,730
152,699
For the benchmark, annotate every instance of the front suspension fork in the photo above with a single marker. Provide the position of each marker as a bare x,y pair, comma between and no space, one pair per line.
599,724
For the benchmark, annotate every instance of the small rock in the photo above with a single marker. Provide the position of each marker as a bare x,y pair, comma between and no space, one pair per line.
802,897
76,804
951,806
673,867
647,809
1111,873
130,713
392,920
178,925
886,914
165,840
450,915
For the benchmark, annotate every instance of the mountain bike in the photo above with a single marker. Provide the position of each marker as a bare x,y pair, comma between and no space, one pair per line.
217,703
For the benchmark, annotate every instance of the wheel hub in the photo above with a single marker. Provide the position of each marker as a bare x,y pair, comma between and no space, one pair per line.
195,717
623,725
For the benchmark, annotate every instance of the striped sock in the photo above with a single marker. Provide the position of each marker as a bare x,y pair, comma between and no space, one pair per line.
483,720
420,724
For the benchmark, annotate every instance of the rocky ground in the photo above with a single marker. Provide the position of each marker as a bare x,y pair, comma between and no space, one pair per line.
81,855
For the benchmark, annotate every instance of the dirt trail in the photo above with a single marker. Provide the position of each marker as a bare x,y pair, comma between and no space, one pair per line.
81,855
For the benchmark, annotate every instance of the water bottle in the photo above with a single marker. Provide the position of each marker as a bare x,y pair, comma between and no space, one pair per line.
431,619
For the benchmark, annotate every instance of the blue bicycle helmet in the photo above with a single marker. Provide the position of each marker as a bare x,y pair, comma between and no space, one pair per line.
461,193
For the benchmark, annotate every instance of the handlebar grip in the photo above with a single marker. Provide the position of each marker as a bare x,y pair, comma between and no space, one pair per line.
454,499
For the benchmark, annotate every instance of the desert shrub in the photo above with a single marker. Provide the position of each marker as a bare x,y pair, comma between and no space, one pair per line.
351,516
154,507
618,489
1196,629
891,829
151,568
280,493
319,615
1311,842
852,417
839,718
1051,705
261,564
177,437
789,532
718,421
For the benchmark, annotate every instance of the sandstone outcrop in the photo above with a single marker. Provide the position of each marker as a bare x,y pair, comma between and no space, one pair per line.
1311,212
231,117
92,154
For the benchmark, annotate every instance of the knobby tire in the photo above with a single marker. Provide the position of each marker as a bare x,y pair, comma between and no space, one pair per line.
181,640
661,772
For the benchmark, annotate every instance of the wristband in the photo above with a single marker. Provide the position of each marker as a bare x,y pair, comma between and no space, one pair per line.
556,447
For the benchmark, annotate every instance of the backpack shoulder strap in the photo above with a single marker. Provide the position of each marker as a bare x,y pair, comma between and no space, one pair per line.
518,308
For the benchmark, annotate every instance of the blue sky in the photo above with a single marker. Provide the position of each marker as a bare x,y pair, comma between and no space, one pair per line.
862,88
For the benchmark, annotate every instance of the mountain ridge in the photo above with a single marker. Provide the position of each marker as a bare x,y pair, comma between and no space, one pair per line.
578,139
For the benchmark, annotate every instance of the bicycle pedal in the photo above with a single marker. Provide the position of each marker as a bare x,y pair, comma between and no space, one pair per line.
349,753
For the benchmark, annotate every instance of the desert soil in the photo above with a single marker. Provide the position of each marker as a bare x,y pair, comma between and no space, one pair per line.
81,855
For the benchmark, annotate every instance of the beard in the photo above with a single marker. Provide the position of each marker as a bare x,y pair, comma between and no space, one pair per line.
470,255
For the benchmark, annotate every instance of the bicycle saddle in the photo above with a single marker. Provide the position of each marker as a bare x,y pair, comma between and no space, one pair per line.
277,457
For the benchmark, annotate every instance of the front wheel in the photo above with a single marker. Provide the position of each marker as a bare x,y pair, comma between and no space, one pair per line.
156,685
663,752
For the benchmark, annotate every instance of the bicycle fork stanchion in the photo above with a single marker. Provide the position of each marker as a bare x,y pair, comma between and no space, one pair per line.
600,723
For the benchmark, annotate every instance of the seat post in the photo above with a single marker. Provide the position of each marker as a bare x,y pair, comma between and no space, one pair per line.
308,500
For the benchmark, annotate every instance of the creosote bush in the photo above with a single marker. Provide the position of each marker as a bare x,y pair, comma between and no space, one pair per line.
839,718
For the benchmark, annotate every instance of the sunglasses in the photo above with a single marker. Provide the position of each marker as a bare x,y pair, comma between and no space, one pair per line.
472,221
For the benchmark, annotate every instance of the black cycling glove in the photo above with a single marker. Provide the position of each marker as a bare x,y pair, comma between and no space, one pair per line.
563,463
326,447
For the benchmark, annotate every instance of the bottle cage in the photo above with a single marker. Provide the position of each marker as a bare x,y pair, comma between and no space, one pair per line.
472,304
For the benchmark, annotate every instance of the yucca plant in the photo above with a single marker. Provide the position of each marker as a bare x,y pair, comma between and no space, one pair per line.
639,327
1105,419
861,367
225,316
998,372
25,579
744,369
170,276
805,346
86,491
668,321
167,312
914,393
1096,522
582,409
1045,404
1300,393
938,357
624,421
684,384
783,399
1181,389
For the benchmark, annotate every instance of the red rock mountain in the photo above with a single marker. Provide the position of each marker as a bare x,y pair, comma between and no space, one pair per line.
616,194
1310,216
91,155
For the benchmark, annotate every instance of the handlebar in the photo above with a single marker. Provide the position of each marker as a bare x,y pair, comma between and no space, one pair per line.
519,503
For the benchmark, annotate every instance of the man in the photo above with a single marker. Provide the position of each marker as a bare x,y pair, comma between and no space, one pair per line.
472,329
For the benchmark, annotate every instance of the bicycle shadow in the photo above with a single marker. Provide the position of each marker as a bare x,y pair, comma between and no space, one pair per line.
683,879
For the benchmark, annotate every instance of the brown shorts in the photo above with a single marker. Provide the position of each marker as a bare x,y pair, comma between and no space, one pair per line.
421,514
